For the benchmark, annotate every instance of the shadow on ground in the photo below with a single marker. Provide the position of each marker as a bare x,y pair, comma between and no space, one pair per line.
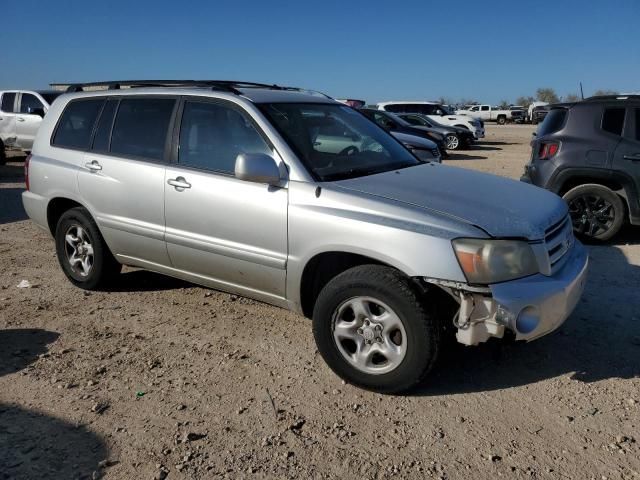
34,445
464,156
600,340
22,346
11,209
146,281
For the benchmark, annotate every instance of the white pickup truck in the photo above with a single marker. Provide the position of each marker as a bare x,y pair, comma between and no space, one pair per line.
490,113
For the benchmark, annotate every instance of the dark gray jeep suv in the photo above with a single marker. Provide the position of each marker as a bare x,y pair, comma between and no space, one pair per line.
589,153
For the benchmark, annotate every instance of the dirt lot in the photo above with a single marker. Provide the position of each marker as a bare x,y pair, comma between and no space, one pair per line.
159,376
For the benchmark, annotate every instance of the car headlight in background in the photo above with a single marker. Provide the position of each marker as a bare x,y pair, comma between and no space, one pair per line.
492,261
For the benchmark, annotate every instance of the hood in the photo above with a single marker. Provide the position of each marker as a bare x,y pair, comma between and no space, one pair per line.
414,140
501,207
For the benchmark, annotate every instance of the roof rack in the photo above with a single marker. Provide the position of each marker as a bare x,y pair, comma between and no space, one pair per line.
620,96
230,86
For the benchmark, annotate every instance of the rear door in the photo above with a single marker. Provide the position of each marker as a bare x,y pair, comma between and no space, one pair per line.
626,158
228,233
8,107
28,119
122,176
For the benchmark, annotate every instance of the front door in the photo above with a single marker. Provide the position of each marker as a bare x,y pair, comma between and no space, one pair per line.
28,120
626,158
225,232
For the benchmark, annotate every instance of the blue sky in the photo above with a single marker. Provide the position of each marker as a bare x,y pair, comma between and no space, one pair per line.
374,50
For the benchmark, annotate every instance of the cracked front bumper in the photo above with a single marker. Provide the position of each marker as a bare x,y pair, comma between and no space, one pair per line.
535,306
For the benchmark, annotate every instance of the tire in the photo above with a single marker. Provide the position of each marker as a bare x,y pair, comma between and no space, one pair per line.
3,154
597,212
453,142
502,120
76,236
390,301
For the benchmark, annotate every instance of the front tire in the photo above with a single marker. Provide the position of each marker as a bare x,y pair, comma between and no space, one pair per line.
374,331
453,142
502,120
82,252
597,212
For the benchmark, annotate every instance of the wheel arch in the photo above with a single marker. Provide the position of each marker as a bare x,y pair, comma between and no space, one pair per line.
56,207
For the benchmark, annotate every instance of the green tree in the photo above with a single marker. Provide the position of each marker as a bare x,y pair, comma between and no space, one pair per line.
503,105
547,95
605,92
525,101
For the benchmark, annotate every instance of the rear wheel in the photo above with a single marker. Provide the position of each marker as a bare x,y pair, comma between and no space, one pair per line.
82,252
596,211
373,330
453,142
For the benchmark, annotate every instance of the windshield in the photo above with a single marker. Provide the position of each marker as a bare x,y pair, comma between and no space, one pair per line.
50,96
337,142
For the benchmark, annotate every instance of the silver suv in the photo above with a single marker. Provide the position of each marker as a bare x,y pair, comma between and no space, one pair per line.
294,199
21,113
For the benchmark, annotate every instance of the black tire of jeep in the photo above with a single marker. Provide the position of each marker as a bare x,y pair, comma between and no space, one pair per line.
3,154
419,319
104,267
585,201
502,120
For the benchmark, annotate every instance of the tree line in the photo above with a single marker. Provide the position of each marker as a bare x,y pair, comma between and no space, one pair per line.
544,94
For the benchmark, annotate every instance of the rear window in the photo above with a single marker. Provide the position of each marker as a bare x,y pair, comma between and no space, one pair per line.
76,124
613,120
140,128
8,100
553,122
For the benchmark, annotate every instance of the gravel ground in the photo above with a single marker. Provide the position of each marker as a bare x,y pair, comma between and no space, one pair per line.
159,378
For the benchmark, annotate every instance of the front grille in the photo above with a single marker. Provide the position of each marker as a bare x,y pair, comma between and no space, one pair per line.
558,240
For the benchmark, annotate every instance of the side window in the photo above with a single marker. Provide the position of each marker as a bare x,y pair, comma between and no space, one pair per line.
29,103
637,111
103,132
141,125
76,124
484,108
213,135
8,100
613,120
395,108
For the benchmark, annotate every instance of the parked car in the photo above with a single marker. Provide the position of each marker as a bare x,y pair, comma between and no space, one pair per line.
436,112
455,137
488,113
352,102
224,184
396,125
589,153
21,113
539,112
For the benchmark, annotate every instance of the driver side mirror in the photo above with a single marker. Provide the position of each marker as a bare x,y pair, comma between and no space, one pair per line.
257,168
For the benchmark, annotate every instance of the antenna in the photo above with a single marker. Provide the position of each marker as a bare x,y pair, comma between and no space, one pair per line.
581,92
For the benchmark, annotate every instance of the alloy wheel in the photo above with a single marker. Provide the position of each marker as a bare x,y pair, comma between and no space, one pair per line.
591,215
79,250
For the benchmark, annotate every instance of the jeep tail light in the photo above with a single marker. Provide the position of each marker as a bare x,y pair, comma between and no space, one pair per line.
547,150
26,170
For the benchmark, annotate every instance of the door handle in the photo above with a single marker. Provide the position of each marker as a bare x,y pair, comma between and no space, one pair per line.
635,157
179,183
94,166
20,119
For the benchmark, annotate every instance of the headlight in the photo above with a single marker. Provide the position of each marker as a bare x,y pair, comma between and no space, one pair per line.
424,155
493,261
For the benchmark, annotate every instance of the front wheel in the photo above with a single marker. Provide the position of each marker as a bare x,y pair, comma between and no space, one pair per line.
597,212
453,142
82,252
502,120
373,329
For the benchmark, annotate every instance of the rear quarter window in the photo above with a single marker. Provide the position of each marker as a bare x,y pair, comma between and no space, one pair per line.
613,120
553,122
76,124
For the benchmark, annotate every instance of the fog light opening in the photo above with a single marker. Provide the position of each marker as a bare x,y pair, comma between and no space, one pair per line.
528,320
504,316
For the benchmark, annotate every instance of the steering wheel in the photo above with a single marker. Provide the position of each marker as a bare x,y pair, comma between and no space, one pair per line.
350,150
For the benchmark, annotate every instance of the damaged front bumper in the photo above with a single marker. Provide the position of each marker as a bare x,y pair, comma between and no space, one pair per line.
530,307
